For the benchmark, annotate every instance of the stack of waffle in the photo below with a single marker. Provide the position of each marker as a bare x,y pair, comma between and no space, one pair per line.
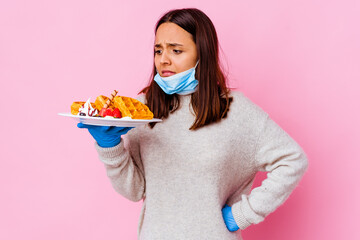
129,107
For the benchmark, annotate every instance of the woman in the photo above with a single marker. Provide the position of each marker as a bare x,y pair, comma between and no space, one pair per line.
195,169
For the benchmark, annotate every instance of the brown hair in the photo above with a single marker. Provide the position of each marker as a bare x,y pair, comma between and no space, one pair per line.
211,101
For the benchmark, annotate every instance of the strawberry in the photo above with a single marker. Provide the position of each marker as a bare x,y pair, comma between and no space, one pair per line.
116,113
109,112
102,112
106,112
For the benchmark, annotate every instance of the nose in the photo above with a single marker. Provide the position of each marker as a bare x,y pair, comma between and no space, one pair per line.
164,58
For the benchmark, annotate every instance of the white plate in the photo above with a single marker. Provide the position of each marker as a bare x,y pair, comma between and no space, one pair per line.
118,122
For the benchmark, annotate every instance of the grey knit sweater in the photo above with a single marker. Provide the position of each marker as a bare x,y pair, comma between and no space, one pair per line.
185,177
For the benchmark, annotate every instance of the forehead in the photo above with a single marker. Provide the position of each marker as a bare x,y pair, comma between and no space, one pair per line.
171,32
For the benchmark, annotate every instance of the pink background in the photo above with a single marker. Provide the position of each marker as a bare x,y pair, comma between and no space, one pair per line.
298,60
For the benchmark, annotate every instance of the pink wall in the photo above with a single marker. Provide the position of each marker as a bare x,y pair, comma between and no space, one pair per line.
298,60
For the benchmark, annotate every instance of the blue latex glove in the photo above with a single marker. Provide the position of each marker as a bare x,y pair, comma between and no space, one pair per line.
106,136
229,219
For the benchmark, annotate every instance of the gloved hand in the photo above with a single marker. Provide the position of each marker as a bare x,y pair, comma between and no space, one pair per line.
229,219
106,136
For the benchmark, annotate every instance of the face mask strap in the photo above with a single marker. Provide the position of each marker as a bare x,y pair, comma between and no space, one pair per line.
197,63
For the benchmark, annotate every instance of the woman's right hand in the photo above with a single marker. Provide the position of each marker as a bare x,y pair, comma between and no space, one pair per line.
106,136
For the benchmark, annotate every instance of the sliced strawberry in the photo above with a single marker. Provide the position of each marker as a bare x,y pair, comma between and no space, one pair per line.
106,112
102,111
116,113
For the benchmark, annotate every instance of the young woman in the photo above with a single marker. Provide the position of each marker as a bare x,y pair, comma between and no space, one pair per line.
195,169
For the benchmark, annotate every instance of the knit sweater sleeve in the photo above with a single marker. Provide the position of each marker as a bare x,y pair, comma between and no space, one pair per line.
284,160
124,167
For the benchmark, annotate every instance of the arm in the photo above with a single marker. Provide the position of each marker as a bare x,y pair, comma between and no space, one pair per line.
124,167
284,160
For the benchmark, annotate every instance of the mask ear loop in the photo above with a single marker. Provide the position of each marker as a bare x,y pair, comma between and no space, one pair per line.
197,63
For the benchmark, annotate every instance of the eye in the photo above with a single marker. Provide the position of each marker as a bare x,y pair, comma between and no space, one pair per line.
157,51
177,51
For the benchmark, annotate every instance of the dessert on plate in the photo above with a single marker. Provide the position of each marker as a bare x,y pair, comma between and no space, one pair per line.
112,107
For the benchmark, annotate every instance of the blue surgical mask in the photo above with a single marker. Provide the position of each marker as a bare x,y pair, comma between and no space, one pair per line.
181,83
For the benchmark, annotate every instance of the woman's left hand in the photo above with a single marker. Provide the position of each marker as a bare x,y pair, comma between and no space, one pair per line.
229,219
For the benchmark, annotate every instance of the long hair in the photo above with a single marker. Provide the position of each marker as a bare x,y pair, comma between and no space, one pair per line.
211,101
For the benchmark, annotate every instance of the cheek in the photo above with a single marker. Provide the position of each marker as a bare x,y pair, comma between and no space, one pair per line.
184,63
157,62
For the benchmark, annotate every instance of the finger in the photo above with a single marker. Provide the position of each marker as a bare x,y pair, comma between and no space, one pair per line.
81,125
120,130
125,130
105,128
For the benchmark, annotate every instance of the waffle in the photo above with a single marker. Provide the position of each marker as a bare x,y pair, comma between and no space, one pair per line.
77,105
100,102
130,107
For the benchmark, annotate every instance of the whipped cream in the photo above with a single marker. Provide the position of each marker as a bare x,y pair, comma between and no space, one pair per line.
123,118
126,118
88,110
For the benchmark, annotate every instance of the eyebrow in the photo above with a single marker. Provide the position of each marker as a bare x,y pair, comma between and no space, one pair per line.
169,44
